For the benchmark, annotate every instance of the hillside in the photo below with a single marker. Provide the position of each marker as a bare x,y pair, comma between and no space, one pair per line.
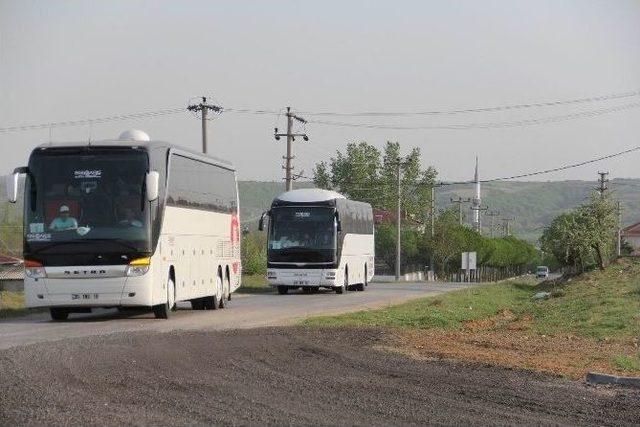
533,204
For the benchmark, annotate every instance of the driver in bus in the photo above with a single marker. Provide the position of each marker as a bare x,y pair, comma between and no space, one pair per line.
64,221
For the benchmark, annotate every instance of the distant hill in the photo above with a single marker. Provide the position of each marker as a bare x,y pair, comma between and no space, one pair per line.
533,204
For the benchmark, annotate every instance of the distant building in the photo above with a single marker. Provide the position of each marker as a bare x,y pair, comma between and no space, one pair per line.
631,235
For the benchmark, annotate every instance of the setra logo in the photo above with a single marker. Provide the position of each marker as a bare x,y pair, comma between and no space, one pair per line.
84,272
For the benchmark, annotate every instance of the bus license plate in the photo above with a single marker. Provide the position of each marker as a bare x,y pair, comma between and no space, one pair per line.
84,296
301,282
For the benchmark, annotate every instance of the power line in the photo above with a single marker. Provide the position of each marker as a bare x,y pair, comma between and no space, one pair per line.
107,119
599,98
488,125
275,112
542,172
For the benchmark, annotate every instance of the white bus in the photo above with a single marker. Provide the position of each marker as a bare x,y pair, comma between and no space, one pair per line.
128,223
319,239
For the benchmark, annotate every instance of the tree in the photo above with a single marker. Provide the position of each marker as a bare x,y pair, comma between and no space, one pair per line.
583,236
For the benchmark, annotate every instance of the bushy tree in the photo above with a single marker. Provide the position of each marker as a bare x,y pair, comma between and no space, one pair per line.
584,236
254,253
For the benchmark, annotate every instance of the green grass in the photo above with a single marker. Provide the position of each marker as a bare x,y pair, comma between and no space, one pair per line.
627,363
254,284
12,304
596,305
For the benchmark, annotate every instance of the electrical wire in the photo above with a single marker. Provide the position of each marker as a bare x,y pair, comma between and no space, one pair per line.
478,109
488,125
546,171
107,119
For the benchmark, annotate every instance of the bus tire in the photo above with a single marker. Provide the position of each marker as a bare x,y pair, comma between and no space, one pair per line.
211,302
345,283
360,286
58,314
162,311
282,290
223,294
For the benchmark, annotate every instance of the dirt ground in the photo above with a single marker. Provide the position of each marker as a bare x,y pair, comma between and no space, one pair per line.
282,376
507,341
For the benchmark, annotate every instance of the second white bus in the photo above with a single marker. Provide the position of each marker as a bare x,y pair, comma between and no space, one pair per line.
319,239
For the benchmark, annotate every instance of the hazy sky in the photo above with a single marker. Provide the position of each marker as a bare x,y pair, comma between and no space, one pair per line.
66,60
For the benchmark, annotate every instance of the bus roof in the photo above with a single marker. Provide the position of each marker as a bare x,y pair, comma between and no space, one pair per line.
308,195
147,145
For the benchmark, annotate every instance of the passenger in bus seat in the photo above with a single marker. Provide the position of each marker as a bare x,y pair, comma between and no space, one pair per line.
64,221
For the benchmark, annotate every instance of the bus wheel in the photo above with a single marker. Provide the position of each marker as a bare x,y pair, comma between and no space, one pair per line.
223,294
360,286
282,290
161,311
211,302
59,313
345,284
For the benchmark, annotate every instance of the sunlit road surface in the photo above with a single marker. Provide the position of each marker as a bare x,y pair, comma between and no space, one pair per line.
244,311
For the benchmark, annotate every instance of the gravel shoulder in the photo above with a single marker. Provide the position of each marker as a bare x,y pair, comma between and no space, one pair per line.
282,375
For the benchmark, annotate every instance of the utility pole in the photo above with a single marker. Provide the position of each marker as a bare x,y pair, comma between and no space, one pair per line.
507,223
492,215
459,201
203,108
399,219
432,215
291,137
619,240
604,179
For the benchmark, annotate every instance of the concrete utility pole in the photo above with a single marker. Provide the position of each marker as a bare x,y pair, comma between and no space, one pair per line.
432,215
507,223
399,219
291,137
603,183
203,108
459,201
619,240
492,215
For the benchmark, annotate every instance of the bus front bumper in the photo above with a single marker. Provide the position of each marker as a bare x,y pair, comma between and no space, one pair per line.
89,292
296,278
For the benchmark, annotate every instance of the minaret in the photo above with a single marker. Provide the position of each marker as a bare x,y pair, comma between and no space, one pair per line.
477,200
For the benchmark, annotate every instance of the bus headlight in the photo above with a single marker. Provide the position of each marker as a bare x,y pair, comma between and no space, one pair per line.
271,274
138,267
330,275
34,269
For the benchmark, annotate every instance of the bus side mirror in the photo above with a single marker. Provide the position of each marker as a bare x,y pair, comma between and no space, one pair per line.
261,222
12,184
152,183
338,224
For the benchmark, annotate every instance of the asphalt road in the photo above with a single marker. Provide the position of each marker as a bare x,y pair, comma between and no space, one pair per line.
244,311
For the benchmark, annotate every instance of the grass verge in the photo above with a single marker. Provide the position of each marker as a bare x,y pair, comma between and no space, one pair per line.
590,323
254,284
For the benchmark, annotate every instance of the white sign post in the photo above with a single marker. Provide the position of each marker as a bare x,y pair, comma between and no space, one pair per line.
468,263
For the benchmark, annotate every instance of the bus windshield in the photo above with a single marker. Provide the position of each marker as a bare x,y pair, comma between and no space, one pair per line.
93,196
302,234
